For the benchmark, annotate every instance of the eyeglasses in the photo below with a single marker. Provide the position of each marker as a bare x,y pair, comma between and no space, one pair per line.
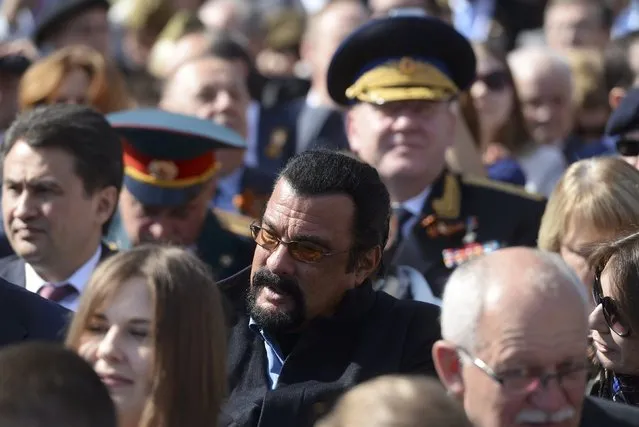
497,80
615,321
525,380
627,147
303,251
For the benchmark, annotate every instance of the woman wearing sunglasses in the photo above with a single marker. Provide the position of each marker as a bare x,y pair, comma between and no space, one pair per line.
614,322
505,142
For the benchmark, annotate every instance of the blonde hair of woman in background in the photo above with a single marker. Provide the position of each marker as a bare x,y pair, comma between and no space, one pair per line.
151,324
76,74
590,96
593,201
397,401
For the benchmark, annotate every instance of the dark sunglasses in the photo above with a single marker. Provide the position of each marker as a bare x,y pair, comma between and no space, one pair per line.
303,251
615,321
497,80
627,147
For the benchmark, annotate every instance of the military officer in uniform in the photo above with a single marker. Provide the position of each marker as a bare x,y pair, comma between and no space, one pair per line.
169,179
400,77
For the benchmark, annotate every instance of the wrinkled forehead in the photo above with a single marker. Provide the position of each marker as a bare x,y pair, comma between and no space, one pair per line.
293,213
533,329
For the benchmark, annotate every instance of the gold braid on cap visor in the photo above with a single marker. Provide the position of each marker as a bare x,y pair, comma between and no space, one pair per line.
406,79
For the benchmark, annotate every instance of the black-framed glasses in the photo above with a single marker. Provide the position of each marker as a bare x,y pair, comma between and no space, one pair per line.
525,380
614,319
496,80
627,147
303,251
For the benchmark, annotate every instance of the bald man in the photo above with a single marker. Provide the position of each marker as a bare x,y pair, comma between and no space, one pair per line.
545,85
517,355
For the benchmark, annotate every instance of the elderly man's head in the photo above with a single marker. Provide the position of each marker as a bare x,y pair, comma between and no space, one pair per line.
545,86
514,327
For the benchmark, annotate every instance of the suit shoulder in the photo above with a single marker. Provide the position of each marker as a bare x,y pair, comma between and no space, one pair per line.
408,306
233,222
501,187
611,413
30,302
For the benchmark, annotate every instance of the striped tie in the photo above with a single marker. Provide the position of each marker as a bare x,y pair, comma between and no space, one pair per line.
57,293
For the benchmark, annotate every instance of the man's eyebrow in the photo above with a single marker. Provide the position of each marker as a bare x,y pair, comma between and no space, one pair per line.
301,237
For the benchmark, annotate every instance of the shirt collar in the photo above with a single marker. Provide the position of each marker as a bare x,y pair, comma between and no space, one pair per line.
415,205
78,279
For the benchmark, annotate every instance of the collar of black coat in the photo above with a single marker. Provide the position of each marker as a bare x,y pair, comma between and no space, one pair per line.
355,304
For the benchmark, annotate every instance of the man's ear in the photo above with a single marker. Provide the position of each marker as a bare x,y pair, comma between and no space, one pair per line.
367,264
615,97
449,367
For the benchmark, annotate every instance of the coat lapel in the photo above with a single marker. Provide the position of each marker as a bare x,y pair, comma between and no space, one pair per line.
12,270
309,126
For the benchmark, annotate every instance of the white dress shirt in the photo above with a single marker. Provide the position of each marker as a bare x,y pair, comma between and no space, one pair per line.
78,280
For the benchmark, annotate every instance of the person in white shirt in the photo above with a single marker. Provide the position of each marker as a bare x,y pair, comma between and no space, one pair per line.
62,173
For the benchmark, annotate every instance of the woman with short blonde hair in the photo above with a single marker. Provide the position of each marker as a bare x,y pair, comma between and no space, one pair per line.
75,74
151,323
593,201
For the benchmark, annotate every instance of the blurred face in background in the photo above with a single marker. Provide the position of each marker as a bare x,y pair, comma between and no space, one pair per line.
492,94
545,93
214,89
575,25
74,88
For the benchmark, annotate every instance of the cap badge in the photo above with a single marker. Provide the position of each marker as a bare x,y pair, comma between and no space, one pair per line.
163,170
407,66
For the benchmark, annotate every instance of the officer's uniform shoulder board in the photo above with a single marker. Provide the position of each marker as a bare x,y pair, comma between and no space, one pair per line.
235,223
504,187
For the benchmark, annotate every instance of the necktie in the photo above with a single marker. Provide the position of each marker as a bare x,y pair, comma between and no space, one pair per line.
56,293
403,215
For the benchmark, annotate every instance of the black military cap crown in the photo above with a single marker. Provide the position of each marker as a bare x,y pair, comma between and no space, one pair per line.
626,117
401,57
58,11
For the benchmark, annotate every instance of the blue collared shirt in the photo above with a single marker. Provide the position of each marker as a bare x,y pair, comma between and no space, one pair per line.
274,354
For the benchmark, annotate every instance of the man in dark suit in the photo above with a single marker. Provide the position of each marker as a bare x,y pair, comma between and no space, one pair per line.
61,173
313,121
514,327
170,163
305,322
27,316
402,98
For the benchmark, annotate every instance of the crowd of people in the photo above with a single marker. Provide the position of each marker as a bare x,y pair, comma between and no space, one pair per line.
329,213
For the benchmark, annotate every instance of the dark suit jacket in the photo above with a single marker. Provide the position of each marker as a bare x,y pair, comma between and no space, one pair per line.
293,127
598,412
502,213
371,334
12,267
27,316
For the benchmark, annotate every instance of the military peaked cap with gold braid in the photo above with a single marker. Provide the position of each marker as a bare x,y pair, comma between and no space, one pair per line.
397,58
168,156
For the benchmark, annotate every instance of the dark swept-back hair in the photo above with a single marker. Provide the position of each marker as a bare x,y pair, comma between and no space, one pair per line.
44,384
323,172
81,132
621,257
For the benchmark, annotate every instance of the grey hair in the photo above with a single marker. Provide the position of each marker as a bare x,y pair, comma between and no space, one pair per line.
526,57
470,287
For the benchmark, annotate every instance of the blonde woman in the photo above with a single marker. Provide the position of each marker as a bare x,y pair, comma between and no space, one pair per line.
150,323
594,201
74,75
